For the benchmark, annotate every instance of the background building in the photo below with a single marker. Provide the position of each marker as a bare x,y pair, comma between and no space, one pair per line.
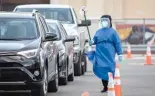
136,12
9,5
95,8
117,8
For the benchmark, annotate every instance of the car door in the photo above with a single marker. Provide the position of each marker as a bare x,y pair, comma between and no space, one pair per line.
81,31
42,34
69,47
51,56
64,37
58,43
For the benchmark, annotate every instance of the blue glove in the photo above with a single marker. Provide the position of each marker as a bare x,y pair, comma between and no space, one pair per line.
120,58
91,42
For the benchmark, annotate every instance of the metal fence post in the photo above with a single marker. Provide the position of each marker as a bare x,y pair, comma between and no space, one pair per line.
143,30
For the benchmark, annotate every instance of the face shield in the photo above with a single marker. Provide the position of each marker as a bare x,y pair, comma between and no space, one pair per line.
105,22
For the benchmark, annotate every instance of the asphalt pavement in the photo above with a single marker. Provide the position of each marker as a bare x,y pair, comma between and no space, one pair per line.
137,80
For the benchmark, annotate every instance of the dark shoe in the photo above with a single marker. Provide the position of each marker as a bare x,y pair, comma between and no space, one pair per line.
104,90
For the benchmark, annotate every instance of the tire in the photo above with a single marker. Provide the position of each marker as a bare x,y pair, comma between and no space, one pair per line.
42,89
64,81
85,63
71,77
83,68
53,85
85,58
78,68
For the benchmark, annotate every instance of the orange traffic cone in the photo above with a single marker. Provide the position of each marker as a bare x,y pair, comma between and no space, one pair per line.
118,89
148,56
85,94
129,51
111,89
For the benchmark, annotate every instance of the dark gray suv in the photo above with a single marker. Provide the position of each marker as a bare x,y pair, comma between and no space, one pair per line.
27,54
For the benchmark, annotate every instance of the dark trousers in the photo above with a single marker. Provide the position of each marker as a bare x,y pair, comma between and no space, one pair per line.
105,84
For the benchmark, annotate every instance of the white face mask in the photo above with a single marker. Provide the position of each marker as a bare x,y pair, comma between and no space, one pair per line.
105,24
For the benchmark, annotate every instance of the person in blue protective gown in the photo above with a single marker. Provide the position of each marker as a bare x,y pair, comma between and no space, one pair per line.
107,44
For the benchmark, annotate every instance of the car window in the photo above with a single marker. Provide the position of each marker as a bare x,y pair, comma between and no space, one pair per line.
75,15
41,27
44,23
61,14
15,28
53,27
63,29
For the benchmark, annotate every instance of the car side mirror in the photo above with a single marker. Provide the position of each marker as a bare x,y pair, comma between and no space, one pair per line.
86,40
69,39
85,23
51,37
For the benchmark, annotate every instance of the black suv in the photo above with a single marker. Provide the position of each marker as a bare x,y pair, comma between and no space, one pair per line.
27,54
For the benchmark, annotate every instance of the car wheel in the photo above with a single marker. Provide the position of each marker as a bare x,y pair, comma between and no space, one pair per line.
83,68
53,85
64,80
84,64
78,68
41,90
71,77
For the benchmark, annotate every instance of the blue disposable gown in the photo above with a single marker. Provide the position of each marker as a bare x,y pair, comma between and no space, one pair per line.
107,44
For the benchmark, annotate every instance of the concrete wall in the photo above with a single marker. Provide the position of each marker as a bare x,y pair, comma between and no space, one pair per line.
95,9
76,4
139,9
9,5
23,1
117,8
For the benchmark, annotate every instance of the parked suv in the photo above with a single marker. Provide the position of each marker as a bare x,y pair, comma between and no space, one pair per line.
68,17
65,47
27,54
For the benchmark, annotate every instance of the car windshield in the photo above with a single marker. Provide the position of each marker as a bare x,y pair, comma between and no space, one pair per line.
53,27
61,14
17,29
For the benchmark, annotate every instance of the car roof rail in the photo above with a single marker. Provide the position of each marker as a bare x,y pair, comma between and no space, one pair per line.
34,11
